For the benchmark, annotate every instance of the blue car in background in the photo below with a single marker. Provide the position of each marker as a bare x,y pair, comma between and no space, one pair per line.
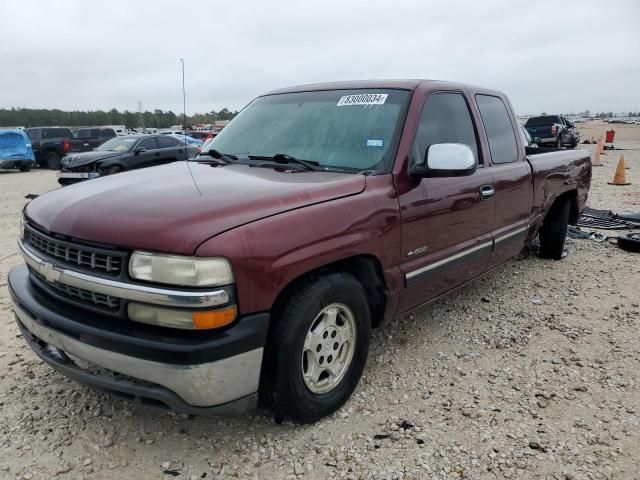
16,151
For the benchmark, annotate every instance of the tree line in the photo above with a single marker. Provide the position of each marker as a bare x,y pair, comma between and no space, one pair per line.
30,117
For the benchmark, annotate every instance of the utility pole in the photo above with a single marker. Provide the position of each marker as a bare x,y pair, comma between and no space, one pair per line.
140,118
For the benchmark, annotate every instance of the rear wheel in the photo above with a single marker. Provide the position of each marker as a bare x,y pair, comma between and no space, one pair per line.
554,230
25,168
317,348
559,142
53,160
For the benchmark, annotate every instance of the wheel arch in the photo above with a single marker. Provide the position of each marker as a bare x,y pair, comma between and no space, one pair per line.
366,268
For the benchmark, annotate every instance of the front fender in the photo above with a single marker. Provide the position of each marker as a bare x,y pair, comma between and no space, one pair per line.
269,254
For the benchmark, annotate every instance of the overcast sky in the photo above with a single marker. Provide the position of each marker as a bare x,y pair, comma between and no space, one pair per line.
545,55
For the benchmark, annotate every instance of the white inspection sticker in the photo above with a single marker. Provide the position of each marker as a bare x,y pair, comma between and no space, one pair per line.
363,99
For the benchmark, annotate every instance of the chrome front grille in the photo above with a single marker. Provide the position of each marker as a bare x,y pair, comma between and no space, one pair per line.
72,254
80,295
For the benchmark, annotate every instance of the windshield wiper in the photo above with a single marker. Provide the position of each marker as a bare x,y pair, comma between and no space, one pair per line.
225,157
284,158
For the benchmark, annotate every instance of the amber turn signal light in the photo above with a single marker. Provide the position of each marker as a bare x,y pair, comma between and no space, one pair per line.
214,318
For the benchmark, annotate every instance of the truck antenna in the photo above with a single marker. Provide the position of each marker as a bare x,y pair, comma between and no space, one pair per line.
184,129
184,112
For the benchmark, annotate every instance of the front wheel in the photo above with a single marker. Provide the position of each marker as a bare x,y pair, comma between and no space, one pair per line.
25,168
317,348
112,170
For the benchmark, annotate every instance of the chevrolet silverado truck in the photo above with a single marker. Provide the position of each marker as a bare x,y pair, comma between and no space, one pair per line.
553,130
257,271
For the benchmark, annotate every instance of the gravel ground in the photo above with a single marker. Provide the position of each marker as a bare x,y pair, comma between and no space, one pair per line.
531,372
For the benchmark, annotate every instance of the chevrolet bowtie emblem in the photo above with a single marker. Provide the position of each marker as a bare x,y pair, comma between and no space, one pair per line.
51,273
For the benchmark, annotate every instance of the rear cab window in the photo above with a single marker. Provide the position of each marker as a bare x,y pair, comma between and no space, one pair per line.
498,127
56,133
542,121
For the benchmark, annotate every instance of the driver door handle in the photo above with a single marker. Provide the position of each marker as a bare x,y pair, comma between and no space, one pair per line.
486,192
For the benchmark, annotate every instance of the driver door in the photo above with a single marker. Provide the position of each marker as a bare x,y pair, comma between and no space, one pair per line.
446,222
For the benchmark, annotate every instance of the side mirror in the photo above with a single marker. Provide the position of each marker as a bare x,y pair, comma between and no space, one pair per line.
446,160
138,151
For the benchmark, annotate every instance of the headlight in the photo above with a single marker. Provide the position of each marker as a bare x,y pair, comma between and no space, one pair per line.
187,319
176,270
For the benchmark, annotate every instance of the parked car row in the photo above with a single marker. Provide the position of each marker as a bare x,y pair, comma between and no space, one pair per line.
47,147
124,153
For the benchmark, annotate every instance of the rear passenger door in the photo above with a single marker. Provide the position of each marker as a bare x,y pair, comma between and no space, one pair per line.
170,149
511,179
446,222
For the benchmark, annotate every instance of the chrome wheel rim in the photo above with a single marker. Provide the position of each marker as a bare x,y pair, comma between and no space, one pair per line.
328,348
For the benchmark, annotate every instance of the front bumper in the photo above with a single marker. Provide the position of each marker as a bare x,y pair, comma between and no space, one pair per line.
218,374
67,178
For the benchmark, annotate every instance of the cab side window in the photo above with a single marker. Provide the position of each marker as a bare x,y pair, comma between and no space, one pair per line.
497,125
445,119
147,143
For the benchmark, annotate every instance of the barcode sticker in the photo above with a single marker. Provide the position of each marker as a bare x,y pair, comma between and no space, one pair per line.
363,99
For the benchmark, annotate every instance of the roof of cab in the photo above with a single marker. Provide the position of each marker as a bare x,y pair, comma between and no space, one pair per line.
393,84
406,84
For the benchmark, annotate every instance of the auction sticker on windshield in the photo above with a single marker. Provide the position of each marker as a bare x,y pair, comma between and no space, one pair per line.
363,99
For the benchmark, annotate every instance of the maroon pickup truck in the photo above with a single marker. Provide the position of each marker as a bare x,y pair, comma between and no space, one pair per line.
259,269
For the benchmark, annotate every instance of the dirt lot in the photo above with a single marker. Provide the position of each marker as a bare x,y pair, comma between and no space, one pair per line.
532,372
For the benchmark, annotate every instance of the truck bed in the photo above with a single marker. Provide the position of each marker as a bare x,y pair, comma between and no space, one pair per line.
555,172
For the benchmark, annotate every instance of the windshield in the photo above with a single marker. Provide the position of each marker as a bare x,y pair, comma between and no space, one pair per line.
353,129
118,144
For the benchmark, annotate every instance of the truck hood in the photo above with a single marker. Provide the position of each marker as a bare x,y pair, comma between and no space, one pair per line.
164,209
76,160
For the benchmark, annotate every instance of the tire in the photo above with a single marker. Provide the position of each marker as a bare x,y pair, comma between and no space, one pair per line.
630,243
25,168
554,230
559,142
53,160
304,319
112,170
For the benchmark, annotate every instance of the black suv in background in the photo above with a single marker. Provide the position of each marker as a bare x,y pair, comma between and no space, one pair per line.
86,139
553,129
49,145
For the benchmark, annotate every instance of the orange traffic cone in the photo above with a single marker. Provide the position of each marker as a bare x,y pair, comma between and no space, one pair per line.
597,161
619,178
601,147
